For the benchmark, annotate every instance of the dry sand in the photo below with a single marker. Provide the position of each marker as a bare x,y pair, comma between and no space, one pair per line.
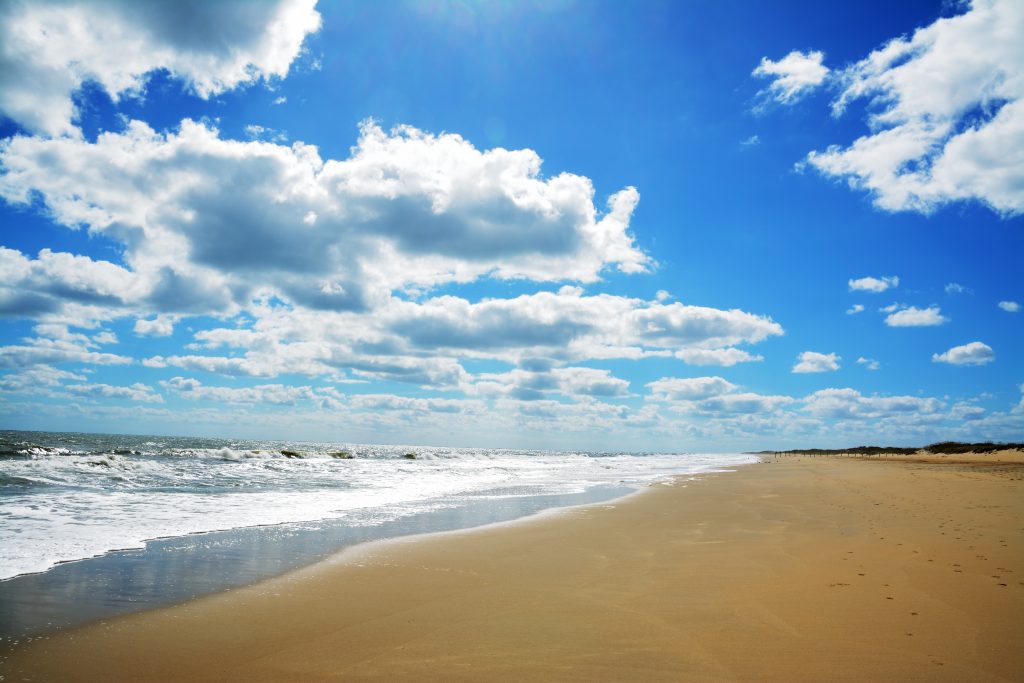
798,569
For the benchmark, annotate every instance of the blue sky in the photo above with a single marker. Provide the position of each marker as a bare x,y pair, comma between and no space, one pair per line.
664,226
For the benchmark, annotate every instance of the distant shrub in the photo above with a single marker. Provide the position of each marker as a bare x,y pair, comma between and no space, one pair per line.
952,447
941,448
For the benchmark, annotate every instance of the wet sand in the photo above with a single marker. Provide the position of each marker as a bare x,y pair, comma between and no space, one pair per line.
798,569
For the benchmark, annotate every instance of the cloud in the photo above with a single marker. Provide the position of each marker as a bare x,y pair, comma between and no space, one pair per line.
946,115
957,288
974,353
160,326
869,363
136,392
723,357
851,404
54,281
48,49
812,361
424,342
333,261
526,385
752,141
206,223
274,394
264,134
874,285
744,403
35,377
712,398
793,76
912,316
46,351
1009,306
411,407
688,389
569,325
855,309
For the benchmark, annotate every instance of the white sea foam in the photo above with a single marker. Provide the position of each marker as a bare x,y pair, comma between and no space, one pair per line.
67,502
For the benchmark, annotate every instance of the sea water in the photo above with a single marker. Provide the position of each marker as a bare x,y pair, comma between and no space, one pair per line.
68,497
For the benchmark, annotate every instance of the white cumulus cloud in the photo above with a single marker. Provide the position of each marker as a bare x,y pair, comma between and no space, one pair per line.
208,222
974,353
689,389
48,48
874,285
812,361
159,326
793,76
947,114
1009,306
911,316
851,404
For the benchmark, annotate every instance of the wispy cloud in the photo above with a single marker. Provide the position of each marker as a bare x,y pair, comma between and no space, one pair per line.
868,363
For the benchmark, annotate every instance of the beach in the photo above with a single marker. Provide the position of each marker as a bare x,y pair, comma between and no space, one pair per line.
794,569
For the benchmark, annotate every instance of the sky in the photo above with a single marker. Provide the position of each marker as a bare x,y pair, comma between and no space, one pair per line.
658,226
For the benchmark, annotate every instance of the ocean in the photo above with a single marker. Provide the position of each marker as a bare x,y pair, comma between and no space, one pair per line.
92,525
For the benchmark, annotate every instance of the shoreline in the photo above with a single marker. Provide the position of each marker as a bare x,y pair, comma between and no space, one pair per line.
122,582
796,568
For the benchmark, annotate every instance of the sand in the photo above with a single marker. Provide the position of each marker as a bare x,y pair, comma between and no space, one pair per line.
797,569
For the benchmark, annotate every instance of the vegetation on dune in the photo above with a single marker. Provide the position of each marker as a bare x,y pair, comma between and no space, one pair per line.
941,448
